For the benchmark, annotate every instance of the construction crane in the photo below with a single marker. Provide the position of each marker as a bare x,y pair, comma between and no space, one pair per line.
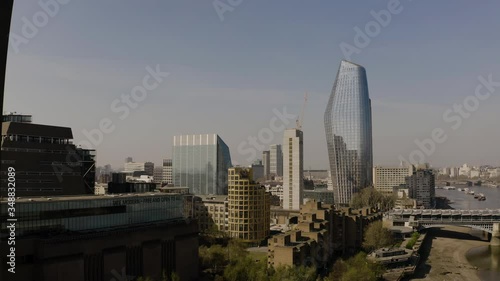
298,122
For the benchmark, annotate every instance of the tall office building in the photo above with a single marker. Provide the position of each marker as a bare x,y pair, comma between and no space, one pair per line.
45,160
167,171
421,186
386,178
293,169
348,126
266,161
158,176
276,160
201,162
248,206
258,170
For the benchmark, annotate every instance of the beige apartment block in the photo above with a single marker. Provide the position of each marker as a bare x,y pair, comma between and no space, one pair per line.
386,178
248,206
211,211
321,232
291,249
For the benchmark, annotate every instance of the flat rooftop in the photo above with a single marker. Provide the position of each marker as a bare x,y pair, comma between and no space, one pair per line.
212,198
86,197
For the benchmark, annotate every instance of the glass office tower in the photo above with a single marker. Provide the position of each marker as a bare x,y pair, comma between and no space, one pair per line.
348,126
201,162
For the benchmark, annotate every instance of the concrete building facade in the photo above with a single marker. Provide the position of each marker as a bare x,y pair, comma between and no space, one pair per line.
167,171
44,159
248,206
421,186
293,169
320,233
386,178
147,167
95,238
211,211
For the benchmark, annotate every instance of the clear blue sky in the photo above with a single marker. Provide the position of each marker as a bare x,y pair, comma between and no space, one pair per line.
227,76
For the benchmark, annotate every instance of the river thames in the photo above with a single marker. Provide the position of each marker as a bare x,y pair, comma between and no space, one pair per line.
486,258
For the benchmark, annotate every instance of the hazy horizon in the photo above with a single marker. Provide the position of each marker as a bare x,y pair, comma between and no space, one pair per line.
229,75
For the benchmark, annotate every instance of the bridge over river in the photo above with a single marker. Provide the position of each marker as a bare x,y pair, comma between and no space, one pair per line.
486,220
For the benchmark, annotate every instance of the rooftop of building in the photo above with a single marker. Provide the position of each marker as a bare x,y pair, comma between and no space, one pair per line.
352,63
16,117
212,198
30,129
84,197
390,253
174,188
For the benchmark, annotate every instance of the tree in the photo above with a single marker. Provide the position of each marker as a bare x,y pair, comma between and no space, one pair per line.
288,273
245,268
236,248
372,198
173,277
212,257
377,236
356,268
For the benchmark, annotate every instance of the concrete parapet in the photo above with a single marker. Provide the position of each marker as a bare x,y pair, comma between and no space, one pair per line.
495,235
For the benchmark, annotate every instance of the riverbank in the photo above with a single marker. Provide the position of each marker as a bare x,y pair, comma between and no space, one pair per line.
443,255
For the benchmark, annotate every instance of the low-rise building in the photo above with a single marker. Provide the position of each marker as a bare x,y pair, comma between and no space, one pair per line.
92,238
101,189
349,226
211,211
336,232
392,257
291,249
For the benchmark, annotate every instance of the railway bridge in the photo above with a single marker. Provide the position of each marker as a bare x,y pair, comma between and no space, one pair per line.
486,220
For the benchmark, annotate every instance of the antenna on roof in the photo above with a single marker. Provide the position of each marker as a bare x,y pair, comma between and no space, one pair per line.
300,118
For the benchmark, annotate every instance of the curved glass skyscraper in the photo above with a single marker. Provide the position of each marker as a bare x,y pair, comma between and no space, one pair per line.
348,126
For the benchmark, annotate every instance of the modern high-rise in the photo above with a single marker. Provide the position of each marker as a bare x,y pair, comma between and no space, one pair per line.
293,169
201,162
348,127
421,186
45,160
167,171
266,161
248,206
258,171
276,160
386,178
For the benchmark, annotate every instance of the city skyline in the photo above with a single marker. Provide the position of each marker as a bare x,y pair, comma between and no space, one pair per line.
417,74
